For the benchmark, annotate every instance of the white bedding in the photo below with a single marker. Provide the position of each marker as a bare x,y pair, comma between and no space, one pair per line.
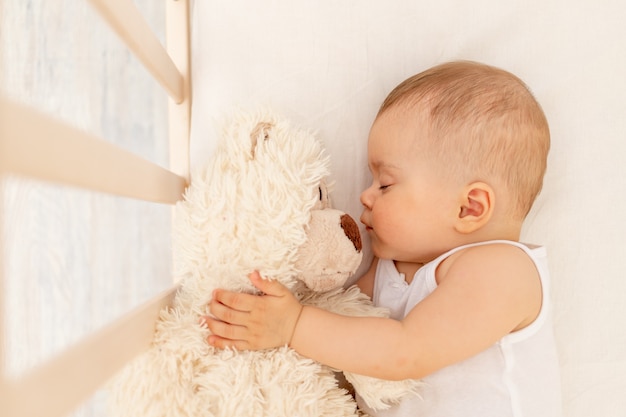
327,65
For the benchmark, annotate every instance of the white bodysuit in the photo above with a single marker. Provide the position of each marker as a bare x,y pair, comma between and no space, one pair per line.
516,377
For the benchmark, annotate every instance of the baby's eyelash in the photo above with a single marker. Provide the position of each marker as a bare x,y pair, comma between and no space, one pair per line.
383,187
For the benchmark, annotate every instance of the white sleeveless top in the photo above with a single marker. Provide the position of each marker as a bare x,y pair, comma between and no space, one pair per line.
517,377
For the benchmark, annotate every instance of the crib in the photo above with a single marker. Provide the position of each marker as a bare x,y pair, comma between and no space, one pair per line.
36,145
327,65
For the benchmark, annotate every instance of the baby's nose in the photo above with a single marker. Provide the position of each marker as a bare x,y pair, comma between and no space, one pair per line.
366,199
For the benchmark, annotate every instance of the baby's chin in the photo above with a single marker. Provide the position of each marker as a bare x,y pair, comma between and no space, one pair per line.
379,252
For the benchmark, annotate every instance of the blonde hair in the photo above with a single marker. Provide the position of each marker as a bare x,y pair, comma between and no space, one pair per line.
483,124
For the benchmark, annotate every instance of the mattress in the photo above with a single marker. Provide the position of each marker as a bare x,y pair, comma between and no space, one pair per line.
328,65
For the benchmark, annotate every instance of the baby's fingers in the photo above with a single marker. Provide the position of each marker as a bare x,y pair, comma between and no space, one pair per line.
225,334
221,343
234,300
268,286
227,314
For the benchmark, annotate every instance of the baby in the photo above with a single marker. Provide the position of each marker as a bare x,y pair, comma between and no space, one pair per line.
457,155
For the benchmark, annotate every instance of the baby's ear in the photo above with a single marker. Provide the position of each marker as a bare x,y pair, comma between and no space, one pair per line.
476,207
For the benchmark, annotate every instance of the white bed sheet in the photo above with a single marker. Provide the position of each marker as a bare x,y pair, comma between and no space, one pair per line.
327,65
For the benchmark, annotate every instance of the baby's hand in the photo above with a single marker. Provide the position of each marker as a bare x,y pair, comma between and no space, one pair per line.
253,322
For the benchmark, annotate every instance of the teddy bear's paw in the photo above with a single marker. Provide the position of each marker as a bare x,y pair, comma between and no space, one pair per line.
381,394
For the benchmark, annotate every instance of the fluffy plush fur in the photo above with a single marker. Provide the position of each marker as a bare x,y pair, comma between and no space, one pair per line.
259,204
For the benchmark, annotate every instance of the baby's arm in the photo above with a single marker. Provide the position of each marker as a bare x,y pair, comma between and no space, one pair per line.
483,293
238,313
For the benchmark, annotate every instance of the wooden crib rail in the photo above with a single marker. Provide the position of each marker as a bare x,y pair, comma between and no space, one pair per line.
178,40
36,145
127,21
171,67
55,388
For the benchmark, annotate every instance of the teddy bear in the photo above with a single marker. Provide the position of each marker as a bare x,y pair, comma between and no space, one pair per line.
260,203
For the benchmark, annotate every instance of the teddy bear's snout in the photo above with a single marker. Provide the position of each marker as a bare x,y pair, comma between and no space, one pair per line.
351,230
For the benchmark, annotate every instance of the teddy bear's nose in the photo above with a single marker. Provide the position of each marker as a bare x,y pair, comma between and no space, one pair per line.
351,230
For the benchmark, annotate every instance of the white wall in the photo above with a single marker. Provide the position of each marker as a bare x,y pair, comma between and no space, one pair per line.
74,259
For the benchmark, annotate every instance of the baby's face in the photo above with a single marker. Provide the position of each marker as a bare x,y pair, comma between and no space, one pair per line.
408,209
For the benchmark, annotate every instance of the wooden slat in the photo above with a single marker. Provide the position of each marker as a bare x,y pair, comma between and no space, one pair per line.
128,22
36,145
178,47
58,386
2,284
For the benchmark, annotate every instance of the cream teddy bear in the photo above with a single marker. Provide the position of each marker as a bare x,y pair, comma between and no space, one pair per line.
259,204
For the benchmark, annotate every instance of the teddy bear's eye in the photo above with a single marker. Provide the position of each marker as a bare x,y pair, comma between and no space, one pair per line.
321,195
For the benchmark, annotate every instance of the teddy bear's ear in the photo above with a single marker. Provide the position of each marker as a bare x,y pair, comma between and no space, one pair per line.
260,133
324,196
